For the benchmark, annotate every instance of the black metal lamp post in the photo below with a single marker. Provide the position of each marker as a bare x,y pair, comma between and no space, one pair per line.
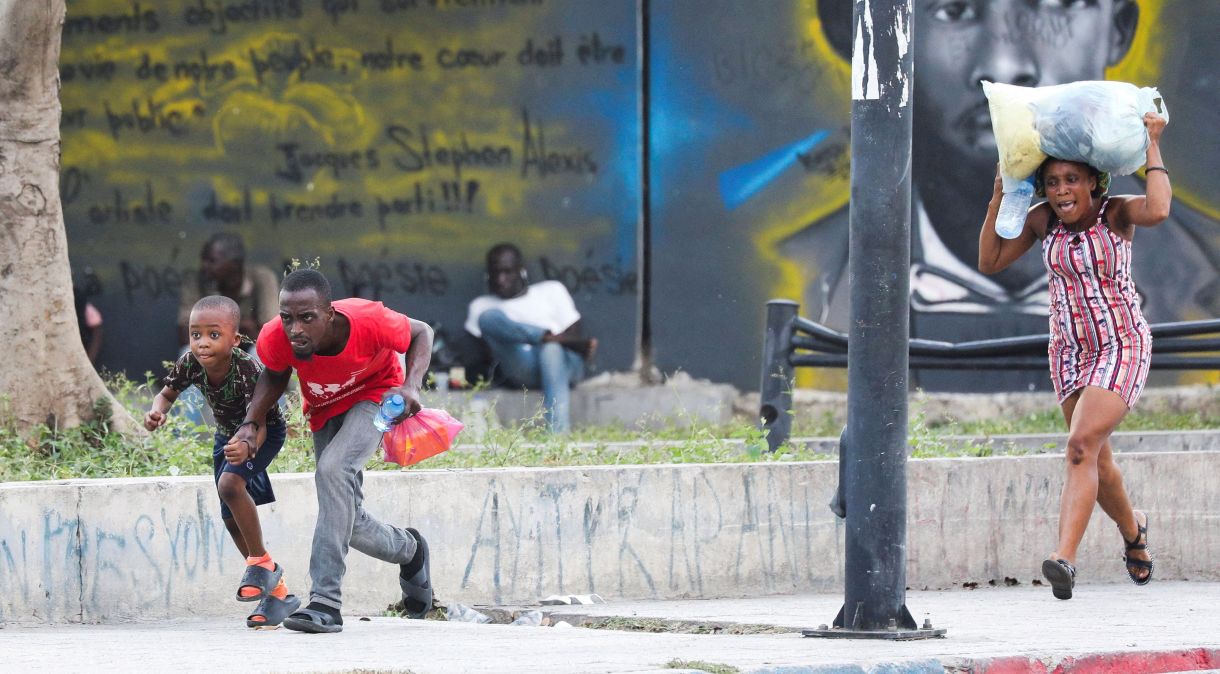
873,455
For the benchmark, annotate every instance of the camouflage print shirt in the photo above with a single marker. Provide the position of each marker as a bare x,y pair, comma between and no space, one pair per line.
228,400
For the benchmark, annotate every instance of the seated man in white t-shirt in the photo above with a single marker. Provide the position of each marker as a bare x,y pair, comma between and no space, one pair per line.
533,331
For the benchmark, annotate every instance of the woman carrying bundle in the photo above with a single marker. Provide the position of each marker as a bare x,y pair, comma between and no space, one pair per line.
1100,345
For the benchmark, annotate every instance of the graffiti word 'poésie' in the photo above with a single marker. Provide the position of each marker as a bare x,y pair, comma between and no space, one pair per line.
152,281
590,278
371,279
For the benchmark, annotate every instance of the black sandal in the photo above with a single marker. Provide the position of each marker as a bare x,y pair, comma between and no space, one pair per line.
315,619
1062,577
1135,566
273,611
261,579
416,588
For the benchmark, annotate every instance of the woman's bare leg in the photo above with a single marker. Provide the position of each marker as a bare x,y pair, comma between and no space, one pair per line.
1092,416
1111,493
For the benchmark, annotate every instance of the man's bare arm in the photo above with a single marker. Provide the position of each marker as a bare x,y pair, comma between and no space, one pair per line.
271,385
419,356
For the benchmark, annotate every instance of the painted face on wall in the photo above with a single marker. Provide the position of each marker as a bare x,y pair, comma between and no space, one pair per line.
960,43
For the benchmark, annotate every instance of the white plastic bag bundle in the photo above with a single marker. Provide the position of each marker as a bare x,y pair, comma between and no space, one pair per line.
1098,123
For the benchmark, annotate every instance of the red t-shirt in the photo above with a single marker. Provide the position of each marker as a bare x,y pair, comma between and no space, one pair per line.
367,366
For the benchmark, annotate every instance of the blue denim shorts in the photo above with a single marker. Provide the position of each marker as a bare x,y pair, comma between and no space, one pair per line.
254,471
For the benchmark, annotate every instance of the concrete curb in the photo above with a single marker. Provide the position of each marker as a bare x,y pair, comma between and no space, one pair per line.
1204,440
934,408
1127,662
904,667
682,401
154,548
1133,662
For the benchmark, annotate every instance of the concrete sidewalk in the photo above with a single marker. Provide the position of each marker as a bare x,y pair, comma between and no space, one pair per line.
1117,628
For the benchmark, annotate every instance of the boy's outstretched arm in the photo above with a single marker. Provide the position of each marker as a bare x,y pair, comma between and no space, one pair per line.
270,386
160,406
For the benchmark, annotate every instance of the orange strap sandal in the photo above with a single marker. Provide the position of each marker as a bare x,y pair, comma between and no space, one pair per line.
260,579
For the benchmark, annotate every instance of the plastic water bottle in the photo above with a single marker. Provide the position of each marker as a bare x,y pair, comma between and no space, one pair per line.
390,409
1014,206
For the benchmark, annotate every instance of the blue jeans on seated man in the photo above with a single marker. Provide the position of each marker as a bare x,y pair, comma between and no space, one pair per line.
524,360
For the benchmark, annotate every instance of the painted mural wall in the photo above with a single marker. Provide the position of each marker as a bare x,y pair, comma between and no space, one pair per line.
393,140
397,139
750,167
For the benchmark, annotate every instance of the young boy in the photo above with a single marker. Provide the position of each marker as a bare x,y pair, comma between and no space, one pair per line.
226,375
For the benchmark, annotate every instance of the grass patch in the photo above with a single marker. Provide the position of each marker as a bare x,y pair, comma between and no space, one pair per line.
94,450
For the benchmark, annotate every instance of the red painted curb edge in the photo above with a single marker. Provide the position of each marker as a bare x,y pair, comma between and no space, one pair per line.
1127,662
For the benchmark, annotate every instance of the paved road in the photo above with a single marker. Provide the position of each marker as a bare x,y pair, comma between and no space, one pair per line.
1165,627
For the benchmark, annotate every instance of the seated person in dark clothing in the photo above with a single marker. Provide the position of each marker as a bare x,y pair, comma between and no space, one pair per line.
533,331
89,319
223,271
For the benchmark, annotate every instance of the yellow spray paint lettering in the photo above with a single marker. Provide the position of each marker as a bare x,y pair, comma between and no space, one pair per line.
230,214
219,15
455,197
336,208
149,211
290,61
536,156
151,280
391,58
592,50
418,152
337,8
296,161
371,279
545,54
468,58
148,116
87,70
135,21
198,70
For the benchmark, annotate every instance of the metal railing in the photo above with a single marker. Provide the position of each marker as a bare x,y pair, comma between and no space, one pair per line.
791,341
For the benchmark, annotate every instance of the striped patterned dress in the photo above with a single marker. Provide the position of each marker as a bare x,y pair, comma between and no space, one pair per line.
1098,335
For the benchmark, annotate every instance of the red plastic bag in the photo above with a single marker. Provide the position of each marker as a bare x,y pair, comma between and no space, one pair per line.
428,433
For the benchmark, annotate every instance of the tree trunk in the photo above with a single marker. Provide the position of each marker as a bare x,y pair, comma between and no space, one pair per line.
45,375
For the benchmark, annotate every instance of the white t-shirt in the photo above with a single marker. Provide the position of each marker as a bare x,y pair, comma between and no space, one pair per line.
546,304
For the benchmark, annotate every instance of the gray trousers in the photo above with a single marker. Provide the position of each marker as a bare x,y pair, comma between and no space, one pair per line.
342,447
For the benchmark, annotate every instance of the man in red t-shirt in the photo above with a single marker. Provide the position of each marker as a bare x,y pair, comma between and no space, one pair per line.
345,355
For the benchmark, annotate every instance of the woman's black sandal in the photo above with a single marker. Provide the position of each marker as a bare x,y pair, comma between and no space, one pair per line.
1062,577
1135,566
